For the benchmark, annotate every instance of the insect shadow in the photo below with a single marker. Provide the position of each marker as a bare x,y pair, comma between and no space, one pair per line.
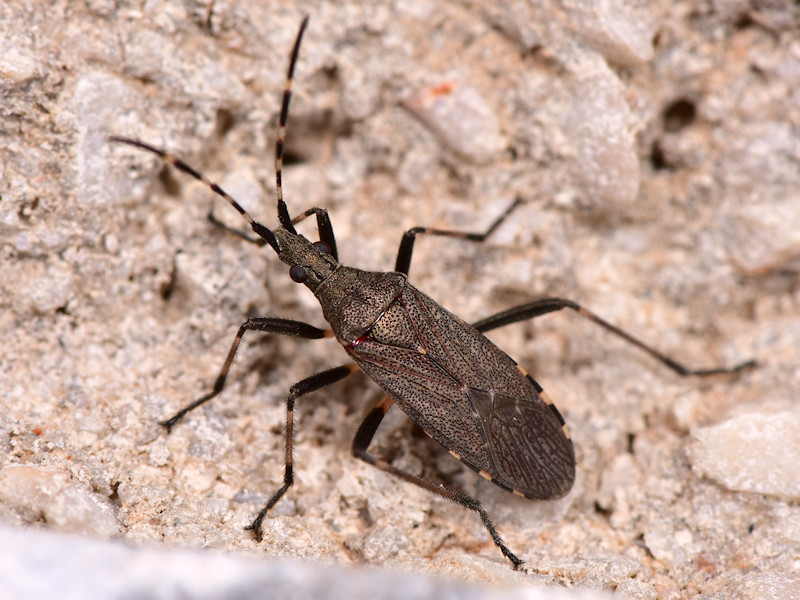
460,388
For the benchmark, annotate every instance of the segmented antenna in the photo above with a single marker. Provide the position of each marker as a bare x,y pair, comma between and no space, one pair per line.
283,211
261,230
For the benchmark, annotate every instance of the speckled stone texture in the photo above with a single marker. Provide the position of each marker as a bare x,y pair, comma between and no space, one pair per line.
656,147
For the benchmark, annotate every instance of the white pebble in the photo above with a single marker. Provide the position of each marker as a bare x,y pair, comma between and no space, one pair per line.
67,505
622,32
753,452
599,125
763,236
460,118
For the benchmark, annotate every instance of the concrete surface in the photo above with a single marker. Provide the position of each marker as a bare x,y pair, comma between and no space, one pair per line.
657,149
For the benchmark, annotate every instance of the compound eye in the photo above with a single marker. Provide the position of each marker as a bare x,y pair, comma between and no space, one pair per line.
298,274
322,247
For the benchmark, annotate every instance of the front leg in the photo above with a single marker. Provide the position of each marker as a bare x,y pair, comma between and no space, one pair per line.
265,324
403,262
324,228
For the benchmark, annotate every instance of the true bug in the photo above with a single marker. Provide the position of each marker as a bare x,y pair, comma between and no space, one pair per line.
452,381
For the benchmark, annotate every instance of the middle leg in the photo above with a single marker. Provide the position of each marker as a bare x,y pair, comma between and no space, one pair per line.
301,388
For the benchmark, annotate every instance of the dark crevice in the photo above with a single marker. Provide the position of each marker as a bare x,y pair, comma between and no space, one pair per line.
600,510
168,288
224,122
679,115
171,185
657,158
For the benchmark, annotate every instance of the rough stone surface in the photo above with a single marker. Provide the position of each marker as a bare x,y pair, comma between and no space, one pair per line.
656,147
53,496
772,231
753,452
461,120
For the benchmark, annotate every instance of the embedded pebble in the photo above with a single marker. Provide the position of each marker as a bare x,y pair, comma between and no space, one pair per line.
460,118
621,473
17,67
635,589
63,503
761,237
772,586
671,547
753,452
52,290
622,32
101,104
599,127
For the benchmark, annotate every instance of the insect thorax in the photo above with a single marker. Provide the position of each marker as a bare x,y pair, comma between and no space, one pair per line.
353,300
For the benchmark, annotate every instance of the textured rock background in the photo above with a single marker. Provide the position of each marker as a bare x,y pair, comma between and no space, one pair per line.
657,147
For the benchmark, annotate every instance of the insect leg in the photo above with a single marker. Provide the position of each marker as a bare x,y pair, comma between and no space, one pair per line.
548,305
235,231
265,324
403,262
301,388
323,226
361,443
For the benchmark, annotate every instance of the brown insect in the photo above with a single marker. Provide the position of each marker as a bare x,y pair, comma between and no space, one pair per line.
459,387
